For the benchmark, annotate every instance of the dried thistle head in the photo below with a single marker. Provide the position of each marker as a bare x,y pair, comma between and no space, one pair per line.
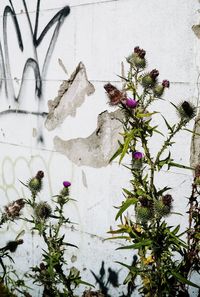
13,209
43,210
186,110
115,96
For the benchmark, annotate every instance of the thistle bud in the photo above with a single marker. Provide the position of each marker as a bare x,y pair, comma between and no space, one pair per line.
144,214
150,79
158,90
137,58
162,207
35,183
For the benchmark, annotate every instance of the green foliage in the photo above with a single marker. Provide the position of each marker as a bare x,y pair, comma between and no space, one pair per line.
52,272
157,244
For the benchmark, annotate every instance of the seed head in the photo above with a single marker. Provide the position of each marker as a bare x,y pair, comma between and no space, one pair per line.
186,110
43,210
167,200
13,209
115,96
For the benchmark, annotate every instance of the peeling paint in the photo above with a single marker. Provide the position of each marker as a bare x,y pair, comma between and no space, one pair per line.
97,149
71,95
195,144
196,30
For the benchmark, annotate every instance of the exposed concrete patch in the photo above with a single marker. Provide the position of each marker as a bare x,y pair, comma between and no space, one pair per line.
196,30
97,149
71,95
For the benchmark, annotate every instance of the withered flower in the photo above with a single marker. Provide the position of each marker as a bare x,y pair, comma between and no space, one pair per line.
13,209
43,210
115,96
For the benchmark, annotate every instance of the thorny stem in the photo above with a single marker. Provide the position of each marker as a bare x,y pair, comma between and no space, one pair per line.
150,162
168,140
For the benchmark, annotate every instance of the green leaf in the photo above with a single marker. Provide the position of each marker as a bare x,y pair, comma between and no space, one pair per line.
146,115
193,132
125,205
131,268
137,245
118,237
182,279
128,139
160,192
168,125
175,231
116,154
172,164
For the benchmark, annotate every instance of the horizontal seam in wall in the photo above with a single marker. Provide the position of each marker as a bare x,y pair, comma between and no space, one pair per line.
53,151
91,80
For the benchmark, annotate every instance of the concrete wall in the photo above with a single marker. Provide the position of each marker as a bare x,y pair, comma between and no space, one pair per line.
68,130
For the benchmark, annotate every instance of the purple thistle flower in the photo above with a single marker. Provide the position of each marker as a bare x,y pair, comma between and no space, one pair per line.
137,155
66,184
131,103
165,83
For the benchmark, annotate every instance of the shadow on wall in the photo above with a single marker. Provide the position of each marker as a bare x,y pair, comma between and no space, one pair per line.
108,278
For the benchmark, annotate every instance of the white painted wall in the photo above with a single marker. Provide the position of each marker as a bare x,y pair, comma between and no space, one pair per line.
101,34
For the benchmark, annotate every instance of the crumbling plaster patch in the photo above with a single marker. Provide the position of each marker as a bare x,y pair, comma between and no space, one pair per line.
71,95
97,149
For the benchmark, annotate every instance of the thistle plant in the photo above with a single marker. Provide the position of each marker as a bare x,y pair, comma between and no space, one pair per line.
47,221
165,260
9,280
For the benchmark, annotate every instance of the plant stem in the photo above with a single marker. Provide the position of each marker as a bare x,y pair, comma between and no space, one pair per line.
168,140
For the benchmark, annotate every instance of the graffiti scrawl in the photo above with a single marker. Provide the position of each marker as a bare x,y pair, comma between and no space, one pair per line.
6,80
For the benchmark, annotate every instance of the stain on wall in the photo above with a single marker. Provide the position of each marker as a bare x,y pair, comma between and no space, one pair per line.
97,149
71,95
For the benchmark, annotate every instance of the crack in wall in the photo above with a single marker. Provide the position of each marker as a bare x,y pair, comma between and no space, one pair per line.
97,149
71,95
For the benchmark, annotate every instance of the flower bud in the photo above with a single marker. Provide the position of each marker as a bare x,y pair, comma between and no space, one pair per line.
144,214
137,58
35,183
158,90
149,80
